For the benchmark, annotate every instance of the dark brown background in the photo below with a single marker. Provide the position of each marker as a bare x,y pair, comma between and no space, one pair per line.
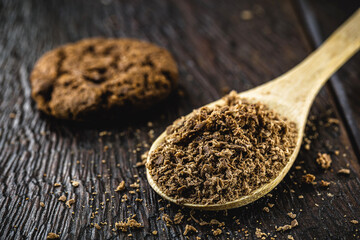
215,49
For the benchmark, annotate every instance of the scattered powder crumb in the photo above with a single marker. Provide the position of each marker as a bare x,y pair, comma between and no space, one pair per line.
246,15
62,198
130,235
132,192
178,218
120,187
167,219
266,209
330,194
97,226
290,237
216,232
154,232
130,223
337,152
354,221
308,178
42,204
292,215
293,224
324,183
259,233
301,196
70,202
344,171
189,228
270,205
134,185
324,160
333,121
75,183
52,235
57,184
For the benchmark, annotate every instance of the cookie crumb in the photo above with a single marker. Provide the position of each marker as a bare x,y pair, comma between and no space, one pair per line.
259,233
130,223
290,237
189,228
154,232
216,232
345,171
293,224
167,219
324,160
42,204
178,218
70,202
74,183
354,221
57,184
266,209
52,235
324,183
308,178
120,187
97,226
292,215
62,198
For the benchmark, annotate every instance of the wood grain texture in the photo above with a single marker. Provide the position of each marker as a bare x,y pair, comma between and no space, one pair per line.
214,48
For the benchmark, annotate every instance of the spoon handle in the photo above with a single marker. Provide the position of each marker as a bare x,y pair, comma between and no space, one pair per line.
299,86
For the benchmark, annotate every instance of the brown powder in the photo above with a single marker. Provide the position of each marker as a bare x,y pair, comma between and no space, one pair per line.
324,160
308,178
260,234
293,224
189,228
292,215
216,232
344,171
324,183
167,219
178,218
130,223
219,154
52,235
120,187
62,198
70,202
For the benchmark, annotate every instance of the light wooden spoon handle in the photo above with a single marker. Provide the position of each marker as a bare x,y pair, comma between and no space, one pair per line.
298,87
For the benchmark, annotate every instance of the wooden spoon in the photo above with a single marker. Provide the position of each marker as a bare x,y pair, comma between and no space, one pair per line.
290,95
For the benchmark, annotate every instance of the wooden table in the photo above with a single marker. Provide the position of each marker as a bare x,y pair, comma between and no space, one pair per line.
218,47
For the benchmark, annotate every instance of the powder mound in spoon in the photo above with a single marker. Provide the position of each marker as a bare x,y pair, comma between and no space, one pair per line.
218,154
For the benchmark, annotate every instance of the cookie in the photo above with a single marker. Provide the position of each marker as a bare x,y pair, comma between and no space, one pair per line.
99,75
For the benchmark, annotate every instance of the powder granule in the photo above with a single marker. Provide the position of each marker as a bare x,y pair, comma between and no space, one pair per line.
130,223
52,235
218,154
189,228
324,160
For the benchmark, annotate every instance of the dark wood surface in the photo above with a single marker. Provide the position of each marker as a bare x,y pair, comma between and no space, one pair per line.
216,49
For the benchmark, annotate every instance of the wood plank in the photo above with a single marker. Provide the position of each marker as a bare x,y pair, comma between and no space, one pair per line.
215,48
321,22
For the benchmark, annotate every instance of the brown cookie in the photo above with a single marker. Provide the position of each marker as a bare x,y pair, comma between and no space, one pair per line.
94,75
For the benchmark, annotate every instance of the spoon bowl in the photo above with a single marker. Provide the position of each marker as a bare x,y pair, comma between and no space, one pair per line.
290,95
